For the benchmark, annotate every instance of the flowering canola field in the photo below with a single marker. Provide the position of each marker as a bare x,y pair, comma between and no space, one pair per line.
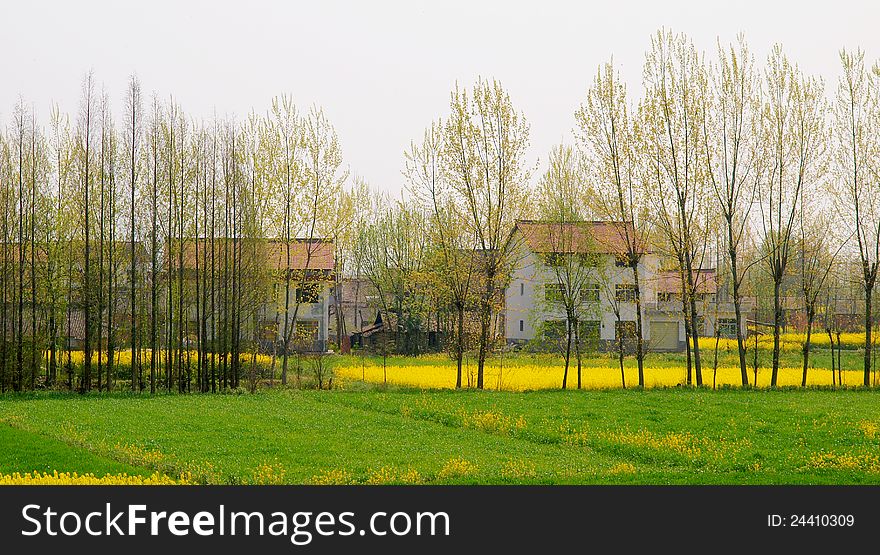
517,376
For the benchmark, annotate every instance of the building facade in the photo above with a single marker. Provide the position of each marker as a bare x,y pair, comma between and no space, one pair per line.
603,287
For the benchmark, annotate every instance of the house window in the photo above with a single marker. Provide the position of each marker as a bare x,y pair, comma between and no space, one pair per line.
554,259
625,330
590,293
727,327
588,331
553,293
307,331
553,330
521,325
623,261
307,294
667,297
522,289
625,293
587,260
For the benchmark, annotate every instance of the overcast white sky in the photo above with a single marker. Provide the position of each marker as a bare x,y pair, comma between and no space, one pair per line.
383,70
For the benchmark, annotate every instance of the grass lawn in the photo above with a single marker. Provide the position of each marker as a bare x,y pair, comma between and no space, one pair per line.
22,451
408,436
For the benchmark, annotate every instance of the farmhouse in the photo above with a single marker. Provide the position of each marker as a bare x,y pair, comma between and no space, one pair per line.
264,268
589,259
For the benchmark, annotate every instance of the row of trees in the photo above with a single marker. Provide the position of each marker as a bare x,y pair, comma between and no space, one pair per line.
147,233
720,163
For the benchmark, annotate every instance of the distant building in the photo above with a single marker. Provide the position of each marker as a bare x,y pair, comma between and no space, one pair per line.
310,263
608,307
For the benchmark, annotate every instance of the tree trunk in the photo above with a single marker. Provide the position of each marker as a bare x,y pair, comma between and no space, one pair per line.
567,351
810,316
698,371
485,325
687,326
737,309
777,323
87,320
640,342
869,289
833,366
577,350
459,348
715,360
154,276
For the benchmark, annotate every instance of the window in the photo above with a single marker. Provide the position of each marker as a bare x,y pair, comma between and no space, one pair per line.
553,329
625,293
590,293
521,325
307,294
268,331
667,297
727,327
625,330
307,330
588,330
587,260
554,259
522,290
553,293
624,260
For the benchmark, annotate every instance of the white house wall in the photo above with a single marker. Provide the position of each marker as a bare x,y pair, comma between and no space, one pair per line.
524,297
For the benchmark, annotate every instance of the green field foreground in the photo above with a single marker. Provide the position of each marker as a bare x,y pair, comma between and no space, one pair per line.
664,436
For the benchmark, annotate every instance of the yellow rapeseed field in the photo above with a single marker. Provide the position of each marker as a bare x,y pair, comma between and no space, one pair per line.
524,377
519,374
791,341
123,357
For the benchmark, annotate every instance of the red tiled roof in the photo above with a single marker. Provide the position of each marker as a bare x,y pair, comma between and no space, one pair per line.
669,281
305,254
315,254
579,237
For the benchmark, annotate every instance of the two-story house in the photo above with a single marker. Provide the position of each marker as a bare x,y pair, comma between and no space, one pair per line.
606,305
607,291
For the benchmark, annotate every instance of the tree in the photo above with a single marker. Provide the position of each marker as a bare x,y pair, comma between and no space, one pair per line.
484,149
57,233
675,79
454,267
287,129
730,134
856,129
793,137
321,183
132,138
572,256
609,142
155,147
816,260
84,137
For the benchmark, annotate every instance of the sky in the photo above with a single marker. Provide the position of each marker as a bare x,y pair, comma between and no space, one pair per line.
384,70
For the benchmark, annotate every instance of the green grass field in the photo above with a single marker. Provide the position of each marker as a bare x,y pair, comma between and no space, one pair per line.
30,452
662,436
